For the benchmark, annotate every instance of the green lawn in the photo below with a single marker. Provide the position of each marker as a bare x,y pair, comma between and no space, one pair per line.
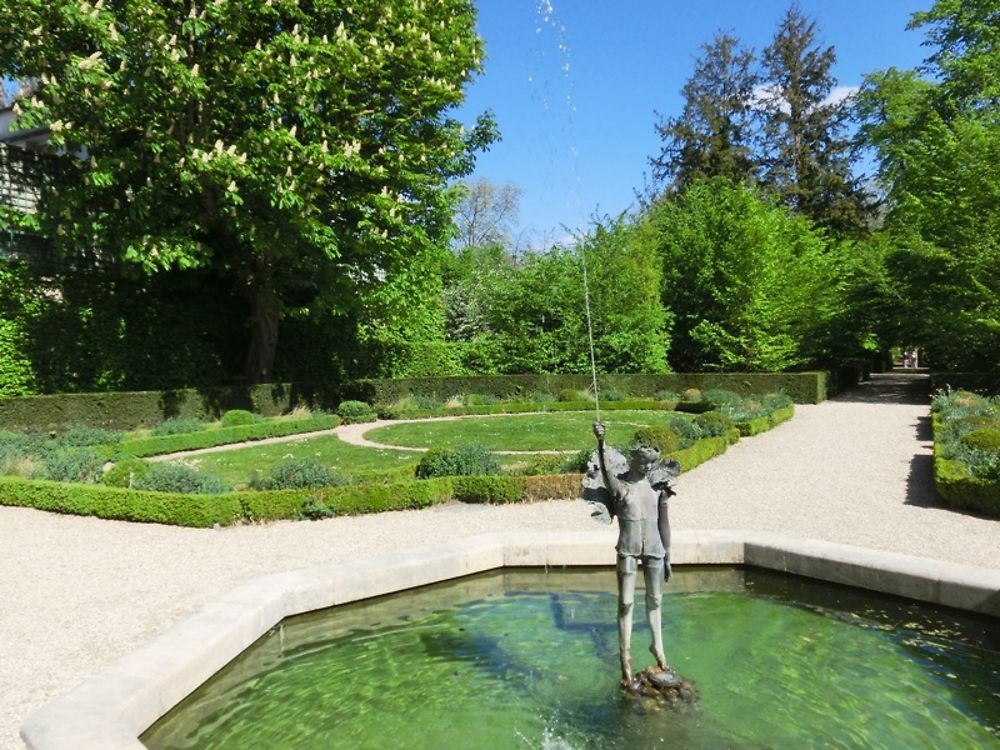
351,460
524,432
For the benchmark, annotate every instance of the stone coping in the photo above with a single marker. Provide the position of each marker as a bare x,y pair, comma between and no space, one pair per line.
109,711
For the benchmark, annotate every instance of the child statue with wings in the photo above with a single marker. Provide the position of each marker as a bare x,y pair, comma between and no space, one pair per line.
636,490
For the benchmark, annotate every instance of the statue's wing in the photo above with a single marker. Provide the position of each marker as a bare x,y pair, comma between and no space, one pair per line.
594,490
664,475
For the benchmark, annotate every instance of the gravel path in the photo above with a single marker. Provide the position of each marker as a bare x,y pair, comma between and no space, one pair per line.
78,593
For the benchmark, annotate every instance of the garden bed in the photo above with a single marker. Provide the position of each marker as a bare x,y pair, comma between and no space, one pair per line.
967,451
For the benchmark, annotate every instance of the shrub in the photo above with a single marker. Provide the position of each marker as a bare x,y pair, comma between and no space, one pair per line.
543,397
691,394
688,432
297,474
569,394
777,400
80,436
576,463
719,397
667,396
543,464
713,423
655,436
356,411
987,440
964,425
178,477
316,509
480,399
465,460
237,418
74,465
611,394
178,426
125,473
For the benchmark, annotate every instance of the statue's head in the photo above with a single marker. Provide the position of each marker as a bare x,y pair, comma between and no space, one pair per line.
643,457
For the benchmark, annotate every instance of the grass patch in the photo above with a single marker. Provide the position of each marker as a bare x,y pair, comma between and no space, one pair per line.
329,451
529,432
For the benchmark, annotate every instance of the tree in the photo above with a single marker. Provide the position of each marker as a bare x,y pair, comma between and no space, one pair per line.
807,156
747,284
713,136
486,213
301,149
937,141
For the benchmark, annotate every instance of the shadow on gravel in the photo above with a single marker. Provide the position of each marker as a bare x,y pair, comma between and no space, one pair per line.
889,388
920,490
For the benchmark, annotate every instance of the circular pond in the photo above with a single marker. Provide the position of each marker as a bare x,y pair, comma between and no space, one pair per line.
529,659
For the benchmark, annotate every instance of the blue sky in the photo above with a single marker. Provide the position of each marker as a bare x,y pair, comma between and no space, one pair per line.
575,91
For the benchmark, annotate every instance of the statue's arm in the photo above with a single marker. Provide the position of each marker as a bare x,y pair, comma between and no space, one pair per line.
610,480
663,522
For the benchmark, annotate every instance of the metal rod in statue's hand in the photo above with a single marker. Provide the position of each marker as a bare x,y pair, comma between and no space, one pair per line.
590,333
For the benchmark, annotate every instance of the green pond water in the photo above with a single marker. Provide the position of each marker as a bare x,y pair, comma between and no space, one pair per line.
528,659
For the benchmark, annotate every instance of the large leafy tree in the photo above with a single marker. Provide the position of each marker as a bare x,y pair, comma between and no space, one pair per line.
300,147
807,153
937,141
750,286
714,135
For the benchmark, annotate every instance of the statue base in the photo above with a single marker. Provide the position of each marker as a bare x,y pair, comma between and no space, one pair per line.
664,685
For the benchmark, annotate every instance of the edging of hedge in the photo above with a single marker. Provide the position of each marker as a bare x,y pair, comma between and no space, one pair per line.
764,423
515,407
270,505
958,487
157,445
121,504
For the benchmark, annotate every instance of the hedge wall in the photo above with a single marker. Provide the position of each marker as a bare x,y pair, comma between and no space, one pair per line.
803,387
532,407
130,410
154,446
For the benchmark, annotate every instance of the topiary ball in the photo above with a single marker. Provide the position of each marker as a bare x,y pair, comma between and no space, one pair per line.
237,418
655,436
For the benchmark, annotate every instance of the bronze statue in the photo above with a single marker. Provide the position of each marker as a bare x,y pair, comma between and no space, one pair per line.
636,490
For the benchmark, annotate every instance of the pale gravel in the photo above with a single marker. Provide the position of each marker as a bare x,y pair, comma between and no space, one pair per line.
78,593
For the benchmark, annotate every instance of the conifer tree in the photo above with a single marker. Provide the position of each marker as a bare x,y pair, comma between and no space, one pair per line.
806,153
713,136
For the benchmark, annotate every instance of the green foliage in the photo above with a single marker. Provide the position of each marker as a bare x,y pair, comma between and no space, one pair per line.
179,478
699,452
238,418
81,435
296,474
713,136
655,436
488,489
569,395
937,141
543,397
74,465
747,284
315,509
465,460
122,504
124,473
714,424
178,426
222,157
719,397
353,412
154,446
664,395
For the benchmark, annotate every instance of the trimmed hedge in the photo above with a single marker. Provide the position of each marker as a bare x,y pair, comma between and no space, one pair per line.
958,487
154,446
978,382
531,407
700,452
120,503
764,423
803,387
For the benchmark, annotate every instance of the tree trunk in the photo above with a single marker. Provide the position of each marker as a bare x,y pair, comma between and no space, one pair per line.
265,309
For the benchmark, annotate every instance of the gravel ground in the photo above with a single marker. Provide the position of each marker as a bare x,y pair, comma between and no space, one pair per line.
78,593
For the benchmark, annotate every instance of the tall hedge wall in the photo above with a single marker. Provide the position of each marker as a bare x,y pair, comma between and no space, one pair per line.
129,410
980,382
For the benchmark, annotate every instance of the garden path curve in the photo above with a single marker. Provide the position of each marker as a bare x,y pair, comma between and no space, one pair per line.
77,594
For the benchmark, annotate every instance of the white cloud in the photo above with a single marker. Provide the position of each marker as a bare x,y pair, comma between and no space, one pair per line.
763,94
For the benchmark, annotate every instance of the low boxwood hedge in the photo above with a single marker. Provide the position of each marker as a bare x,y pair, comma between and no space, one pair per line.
120,503
155,446
765,422
375,496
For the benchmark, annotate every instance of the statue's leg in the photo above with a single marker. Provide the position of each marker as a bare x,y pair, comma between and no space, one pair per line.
626,569
652,571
